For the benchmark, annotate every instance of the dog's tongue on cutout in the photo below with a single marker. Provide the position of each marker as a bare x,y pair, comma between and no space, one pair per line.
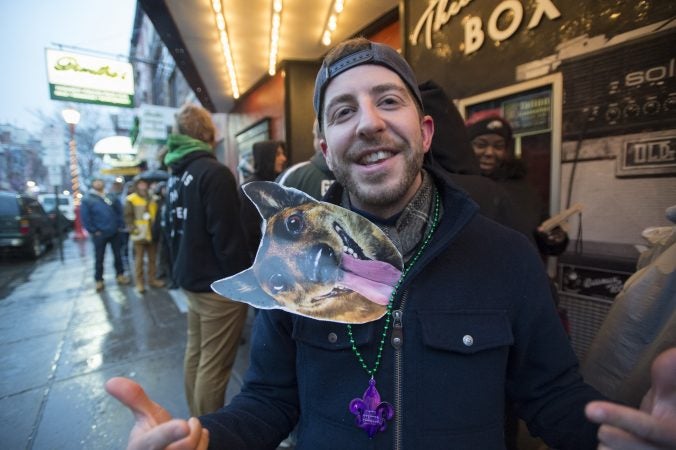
374,280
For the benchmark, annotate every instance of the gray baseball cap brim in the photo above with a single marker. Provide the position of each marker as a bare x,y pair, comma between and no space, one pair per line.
379,54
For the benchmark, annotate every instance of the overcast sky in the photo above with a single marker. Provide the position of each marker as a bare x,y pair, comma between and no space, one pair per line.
27,27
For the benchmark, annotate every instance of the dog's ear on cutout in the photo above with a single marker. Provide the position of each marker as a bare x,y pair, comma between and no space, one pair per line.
244,287
270,198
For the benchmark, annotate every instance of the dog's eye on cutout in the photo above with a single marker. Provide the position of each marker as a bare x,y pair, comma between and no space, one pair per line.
277,283
295,224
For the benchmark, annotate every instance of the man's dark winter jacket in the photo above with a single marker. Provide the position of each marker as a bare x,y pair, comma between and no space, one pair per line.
207,240
101,214
528,205
312,177
478,324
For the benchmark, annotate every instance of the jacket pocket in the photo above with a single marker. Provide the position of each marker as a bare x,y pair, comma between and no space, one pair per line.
466,332
463,356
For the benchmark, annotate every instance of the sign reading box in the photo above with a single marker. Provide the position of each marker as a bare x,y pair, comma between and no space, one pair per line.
88,79
644,157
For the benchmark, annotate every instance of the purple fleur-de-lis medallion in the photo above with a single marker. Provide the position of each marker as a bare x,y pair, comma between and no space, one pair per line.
372,414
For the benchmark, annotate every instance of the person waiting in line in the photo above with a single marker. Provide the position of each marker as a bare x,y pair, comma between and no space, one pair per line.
159,235
207,243
269,160
117,193
102,218
140,212
493,143
312,176
451,150
468,319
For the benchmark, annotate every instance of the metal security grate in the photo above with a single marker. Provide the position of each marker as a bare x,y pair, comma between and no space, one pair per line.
585,314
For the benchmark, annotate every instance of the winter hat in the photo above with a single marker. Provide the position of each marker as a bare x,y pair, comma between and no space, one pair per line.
488,123
356,52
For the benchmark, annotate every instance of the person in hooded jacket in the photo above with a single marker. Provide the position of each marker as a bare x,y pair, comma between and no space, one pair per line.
492,140
452,151
269,161
312,176
207,243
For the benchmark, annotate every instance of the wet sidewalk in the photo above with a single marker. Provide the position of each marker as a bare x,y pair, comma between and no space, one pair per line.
60,341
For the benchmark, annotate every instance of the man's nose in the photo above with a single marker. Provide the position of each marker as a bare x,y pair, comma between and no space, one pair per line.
370,120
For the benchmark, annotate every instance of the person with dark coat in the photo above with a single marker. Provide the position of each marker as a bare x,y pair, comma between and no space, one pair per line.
117,193
312,176
452,151
466,329
207,244
159,234
102,218
493,143
269,160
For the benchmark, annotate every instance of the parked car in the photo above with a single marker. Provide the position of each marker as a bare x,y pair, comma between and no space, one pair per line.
66,206
24,225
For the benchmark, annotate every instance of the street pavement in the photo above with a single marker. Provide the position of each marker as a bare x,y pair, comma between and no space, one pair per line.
60,341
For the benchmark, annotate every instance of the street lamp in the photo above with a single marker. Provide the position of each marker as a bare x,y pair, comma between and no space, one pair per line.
72,117
31,187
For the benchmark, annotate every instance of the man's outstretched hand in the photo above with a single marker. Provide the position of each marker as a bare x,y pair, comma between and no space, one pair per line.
154,428
651,428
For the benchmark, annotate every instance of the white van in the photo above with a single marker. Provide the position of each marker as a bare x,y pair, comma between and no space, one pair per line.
66,205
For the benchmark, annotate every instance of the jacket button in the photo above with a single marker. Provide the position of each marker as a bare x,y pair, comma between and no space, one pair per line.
468,340
333,338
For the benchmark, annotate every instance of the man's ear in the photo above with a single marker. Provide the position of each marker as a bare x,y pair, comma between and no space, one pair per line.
427,128
326,152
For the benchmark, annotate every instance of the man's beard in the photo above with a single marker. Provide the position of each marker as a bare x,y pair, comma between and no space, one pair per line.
366,196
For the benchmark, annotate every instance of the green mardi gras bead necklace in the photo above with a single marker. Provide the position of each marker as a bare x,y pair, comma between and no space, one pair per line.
370,412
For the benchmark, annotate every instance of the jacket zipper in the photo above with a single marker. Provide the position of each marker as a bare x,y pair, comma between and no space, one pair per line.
397,341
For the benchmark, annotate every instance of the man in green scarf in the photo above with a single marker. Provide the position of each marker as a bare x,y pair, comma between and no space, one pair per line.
207,243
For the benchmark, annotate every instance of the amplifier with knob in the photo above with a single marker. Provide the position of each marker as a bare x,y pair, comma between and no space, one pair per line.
625,88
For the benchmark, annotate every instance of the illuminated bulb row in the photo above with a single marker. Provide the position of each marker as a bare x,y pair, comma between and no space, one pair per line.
225,44
274,35
332,21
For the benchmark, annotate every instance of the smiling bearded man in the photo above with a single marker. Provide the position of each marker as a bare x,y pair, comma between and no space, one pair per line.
470,324
378,135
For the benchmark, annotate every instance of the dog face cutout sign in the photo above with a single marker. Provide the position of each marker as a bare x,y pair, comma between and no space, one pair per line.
315,259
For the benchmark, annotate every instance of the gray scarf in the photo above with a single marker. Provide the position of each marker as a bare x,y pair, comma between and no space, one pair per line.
413,223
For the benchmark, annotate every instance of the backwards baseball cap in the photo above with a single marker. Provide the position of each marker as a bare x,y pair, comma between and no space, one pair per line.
375,53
